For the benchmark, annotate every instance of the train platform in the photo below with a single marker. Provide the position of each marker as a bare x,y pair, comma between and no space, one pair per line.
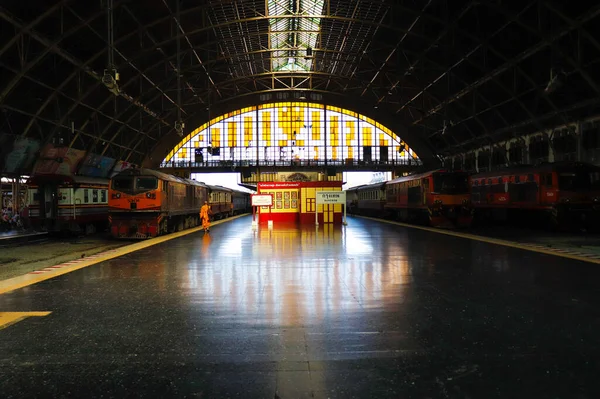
14,236
369,310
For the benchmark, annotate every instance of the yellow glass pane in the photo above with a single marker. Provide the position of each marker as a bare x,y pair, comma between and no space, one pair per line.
351,134
247,130
231,134
215,134
366,136
316,125
266,128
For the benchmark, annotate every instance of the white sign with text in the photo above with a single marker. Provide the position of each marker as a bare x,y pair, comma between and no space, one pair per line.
331,197
262,200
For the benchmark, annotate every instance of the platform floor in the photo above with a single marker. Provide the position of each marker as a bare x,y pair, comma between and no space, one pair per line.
371,310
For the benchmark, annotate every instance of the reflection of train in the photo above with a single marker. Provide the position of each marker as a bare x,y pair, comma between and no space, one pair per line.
562,194
437,198
68,203
145,203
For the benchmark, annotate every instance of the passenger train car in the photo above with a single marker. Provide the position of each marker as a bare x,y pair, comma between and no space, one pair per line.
74,204
438,198
368,200
560,195
145,203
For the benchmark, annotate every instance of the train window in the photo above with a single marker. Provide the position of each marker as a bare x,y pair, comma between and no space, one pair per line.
102,195
530,178
122,183
36,197
94,195
86,195
517,179
146,183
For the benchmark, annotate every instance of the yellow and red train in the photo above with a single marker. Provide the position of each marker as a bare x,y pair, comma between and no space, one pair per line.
439,198
558,195
561,194
144,203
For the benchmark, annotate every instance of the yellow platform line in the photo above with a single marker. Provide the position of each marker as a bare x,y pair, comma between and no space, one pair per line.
9,318
25,280
489,240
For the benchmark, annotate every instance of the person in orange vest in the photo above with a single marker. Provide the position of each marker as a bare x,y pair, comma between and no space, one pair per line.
205,216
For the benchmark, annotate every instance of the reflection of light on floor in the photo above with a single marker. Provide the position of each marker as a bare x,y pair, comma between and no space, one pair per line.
230,246
294,275
357,242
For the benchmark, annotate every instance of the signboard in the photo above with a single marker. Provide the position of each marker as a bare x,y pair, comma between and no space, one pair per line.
331,197
262,200
263,186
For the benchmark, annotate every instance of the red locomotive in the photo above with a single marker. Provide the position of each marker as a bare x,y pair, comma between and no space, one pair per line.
562,194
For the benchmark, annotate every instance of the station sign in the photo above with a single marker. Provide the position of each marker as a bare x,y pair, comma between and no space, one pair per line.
262,200
331,197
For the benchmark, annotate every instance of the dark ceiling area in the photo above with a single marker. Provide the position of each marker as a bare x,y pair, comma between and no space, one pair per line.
447,75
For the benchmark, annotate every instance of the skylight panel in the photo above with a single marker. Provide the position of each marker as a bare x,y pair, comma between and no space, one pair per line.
294,33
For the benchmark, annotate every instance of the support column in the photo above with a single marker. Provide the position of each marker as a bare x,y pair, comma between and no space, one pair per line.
325,135
550,147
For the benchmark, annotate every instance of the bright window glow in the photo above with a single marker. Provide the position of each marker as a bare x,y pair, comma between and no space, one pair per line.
290,36
290,131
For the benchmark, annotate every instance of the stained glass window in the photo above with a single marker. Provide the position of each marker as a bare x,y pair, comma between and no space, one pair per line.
290,132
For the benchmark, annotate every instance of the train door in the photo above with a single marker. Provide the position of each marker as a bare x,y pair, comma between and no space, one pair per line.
547,191
49,203
425,185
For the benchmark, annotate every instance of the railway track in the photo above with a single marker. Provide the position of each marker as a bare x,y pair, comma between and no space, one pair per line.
21,255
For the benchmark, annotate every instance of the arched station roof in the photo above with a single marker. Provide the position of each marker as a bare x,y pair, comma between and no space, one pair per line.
443,74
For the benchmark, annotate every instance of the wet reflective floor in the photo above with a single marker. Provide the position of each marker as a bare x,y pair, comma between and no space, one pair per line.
370,310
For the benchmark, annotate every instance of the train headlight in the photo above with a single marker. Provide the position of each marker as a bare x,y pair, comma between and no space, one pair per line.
148,195
116,195
437,202
596,199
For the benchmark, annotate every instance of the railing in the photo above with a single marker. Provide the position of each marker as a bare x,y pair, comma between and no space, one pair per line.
293,162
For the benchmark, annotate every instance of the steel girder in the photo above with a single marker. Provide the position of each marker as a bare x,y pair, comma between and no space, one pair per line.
351,72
